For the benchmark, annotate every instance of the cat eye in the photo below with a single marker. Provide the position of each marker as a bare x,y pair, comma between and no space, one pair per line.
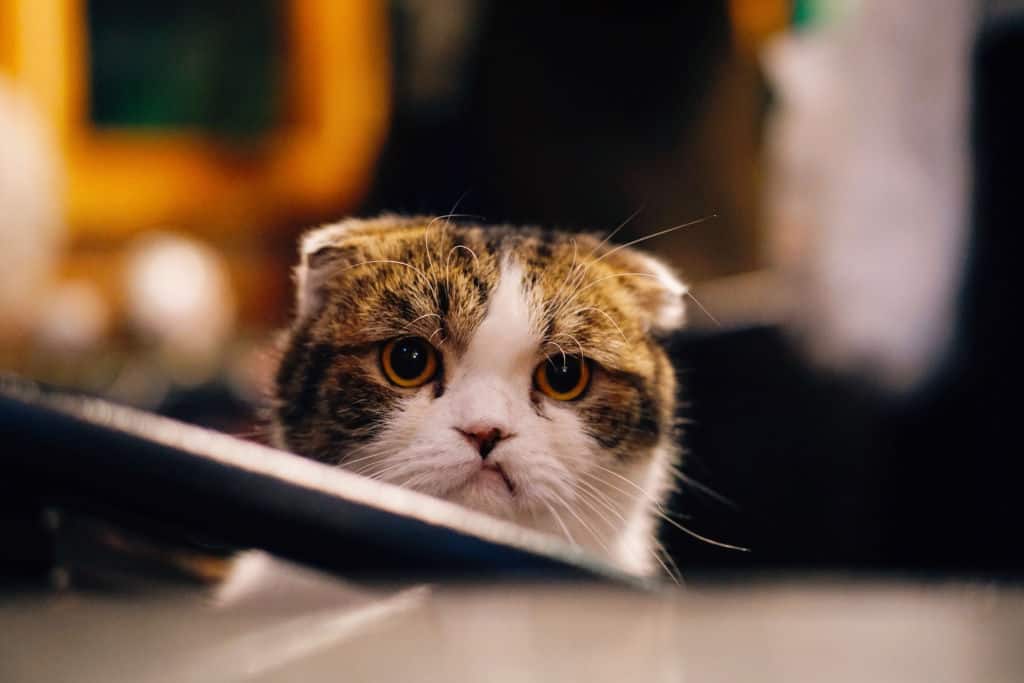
563,378
408,362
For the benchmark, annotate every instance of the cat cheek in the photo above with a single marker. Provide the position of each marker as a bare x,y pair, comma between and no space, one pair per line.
623,422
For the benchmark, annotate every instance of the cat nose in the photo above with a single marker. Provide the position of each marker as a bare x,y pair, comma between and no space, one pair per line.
483,438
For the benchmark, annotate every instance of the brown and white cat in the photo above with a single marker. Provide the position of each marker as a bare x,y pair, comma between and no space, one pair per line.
515,371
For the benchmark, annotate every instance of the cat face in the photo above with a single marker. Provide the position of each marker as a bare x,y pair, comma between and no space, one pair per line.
514,371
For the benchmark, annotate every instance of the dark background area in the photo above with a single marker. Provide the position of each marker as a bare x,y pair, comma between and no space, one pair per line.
580,115
569,118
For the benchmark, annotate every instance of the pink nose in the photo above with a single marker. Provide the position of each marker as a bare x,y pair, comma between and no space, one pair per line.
484,439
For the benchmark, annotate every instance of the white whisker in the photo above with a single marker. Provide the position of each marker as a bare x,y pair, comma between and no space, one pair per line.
462,246
609,277
398,263
700,537
430,339
568,275
659,551
616,230
347,464
666,231
602,498
556,345
659,509
701,306
703,488
576,341
416,320
585,526
605,314
575,295
561,524
593,251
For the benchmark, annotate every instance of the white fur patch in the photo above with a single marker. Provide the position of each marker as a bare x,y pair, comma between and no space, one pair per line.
504,343
670,312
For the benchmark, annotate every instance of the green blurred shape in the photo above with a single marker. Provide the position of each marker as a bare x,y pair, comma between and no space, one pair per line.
211,67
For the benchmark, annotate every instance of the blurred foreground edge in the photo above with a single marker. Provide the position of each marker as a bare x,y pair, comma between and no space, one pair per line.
120,464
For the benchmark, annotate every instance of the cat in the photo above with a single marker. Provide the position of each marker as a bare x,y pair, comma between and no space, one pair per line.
519,372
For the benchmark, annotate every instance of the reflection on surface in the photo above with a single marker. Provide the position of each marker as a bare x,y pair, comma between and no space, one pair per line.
773,632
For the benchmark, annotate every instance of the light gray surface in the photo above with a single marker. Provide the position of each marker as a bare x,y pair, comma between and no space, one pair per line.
798,631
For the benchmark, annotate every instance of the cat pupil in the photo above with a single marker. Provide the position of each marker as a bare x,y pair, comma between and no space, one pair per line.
409,358
563,376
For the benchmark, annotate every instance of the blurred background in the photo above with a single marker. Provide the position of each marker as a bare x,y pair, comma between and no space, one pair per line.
850,370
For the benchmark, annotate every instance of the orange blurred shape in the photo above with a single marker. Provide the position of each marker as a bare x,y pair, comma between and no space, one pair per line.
754,21
337,104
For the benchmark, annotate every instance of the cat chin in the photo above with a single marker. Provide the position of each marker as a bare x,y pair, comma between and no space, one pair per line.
487,492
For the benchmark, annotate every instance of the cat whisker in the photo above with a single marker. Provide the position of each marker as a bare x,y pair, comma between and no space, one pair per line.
372,471
394,262
660,511
426,249
430,339
615,474
561,524
459,246
601,497
589,505
609,318
575,295
342,460
608,253
610,277
588,497
576,341
583,524
703,488
700,537
379,474
416,320
366,462
377,470
448,262
659,233
568,275
426,243
413,481
447,218
585,268
674,573
701,307
616,230
347,463
630,496
560,349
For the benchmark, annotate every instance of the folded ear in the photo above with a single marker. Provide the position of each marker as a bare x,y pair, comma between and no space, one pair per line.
322,251
327,251
660,296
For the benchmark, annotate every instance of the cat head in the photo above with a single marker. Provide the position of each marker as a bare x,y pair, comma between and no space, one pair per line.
512,370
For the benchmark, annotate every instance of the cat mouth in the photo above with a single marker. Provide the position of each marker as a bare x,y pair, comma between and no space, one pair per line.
492,473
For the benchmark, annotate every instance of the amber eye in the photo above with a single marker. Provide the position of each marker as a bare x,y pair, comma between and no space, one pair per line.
563,377
408,362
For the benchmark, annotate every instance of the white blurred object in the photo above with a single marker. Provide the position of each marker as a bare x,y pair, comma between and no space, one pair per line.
868,187
178,295
75,317
31,226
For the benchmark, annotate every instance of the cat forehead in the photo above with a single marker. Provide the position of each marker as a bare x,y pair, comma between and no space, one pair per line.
436,279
